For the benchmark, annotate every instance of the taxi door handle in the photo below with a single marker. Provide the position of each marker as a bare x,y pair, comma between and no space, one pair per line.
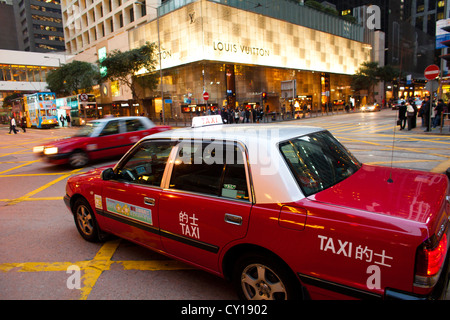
233,219
149,201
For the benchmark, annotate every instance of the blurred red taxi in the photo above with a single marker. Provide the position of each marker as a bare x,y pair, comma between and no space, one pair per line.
98,139
283,211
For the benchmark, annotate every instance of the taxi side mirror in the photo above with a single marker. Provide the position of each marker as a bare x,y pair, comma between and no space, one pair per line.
108,174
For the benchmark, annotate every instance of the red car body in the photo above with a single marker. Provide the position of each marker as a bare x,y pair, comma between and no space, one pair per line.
97,141
380,233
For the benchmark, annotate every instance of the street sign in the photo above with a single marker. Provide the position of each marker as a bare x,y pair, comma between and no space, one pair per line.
205,95
431,72
432,86
83,97
442,33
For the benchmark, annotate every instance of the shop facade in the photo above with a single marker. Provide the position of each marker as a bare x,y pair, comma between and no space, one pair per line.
241,58
237,85
217,56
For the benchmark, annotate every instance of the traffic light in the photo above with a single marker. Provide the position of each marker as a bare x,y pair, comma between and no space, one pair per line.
264,96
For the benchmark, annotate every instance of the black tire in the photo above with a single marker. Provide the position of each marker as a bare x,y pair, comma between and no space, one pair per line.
78,159
85,220
263,277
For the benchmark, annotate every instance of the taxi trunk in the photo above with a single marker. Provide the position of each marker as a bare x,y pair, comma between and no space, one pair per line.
414,206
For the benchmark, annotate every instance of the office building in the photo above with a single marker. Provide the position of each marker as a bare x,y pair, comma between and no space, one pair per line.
39,25
8,36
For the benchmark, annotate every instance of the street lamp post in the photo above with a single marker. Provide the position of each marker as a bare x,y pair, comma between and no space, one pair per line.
160,59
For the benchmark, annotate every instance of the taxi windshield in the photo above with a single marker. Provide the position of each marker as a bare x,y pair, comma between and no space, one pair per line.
318,161
88,129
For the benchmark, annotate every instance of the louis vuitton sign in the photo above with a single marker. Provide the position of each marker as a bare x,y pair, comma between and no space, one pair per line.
240,49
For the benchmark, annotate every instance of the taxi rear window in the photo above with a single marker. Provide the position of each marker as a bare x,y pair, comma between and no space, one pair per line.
318,161
210,168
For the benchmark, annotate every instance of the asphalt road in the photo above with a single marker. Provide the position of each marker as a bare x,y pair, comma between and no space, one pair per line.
41,248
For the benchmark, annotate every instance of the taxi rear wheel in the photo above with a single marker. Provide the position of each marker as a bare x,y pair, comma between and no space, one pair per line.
85,221
260,277
78,159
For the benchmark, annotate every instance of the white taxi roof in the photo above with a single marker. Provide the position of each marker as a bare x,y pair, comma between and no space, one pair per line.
272,180
240,132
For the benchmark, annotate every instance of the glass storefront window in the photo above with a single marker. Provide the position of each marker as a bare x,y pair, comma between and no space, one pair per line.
23,73
185,86
115,89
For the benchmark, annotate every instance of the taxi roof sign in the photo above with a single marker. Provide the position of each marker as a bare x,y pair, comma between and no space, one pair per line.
203,121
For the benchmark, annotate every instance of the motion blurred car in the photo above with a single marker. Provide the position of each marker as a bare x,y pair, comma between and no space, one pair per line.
418,103
283,211
370,107
397,104
98,139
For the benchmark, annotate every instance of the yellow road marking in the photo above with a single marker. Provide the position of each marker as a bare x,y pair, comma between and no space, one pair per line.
22,165
33,199
32,174
399,161
100,263
92,269
154,265
442,167
27,196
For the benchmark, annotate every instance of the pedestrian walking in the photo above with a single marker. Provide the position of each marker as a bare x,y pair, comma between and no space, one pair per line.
410,114
438,112
426,109
414,119
68,120
12,125
62,119
402,116
23,123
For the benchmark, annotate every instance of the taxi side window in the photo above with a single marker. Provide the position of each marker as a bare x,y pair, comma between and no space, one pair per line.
210,168
112,127
134,125
147,164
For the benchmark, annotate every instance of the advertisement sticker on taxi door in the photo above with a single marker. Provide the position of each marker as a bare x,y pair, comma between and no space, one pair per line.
129,210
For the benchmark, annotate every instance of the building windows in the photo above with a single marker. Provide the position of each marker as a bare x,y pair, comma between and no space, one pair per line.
102,17
51,1
131,14
23,73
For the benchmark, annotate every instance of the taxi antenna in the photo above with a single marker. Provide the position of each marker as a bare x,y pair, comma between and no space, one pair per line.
389,180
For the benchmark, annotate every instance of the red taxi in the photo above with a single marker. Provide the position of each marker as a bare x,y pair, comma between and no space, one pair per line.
283,211
98,139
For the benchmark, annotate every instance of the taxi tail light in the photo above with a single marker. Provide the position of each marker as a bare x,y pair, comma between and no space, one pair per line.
429,261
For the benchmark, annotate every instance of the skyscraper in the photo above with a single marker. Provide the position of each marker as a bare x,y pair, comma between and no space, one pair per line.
39,25
8,37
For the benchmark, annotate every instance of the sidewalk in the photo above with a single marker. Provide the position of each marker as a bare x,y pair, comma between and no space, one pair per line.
419,129
180,123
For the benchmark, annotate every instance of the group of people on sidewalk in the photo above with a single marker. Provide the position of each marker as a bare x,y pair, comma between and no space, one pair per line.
430,113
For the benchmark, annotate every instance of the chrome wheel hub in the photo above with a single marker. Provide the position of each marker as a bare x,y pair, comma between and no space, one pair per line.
261,283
